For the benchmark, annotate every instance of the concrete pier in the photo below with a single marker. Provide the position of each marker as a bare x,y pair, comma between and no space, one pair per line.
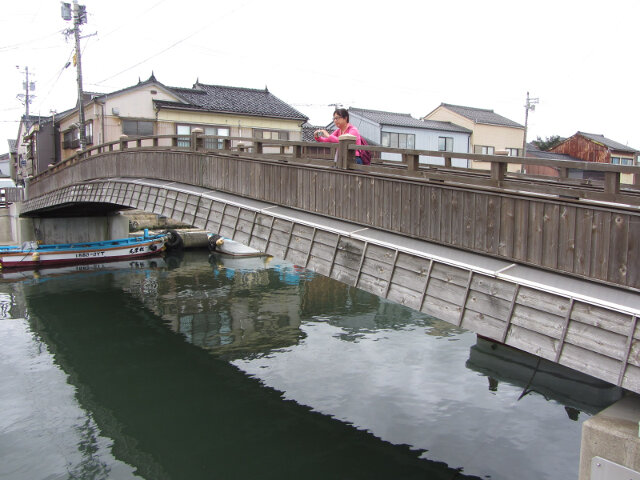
612,435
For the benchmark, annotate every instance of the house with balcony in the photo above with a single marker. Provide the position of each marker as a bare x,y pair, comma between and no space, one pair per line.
401,130
491,133
152,108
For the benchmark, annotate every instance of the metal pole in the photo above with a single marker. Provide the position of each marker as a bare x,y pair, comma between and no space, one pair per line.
76,32
26,91
526,121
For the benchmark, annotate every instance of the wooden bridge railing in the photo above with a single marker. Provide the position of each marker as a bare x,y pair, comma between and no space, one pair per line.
497,177
586,228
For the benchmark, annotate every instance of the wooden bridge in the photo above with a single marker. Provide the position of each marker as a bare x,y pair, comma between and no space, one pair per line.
548,265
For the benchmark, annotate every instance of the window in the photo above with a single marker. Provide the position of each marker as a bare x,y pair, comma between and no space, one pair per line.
184,138
137,128
484,150
215,143
71,138
514,152
184,141
88,132
621,161
271,134
398,140
445,144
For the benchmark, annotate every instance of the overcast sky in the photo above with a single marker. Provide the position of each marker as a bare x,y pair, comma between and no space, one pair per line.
580,58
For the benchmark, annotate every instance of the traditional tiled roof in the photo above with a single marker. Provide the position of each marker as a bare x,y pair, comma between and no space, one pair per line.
482,115
406,120
246,101
608,142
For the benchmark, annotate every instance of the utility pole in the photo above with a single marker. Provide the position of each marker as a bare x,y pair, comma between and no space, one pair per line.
530,105
79,17
28,86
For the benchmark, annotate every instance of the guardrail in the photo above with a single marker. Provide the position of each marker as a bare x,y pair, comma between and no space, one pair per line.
502,175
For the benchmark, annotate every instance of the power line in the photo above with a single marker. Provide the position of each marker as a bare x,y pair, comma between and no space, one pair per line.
17,45
206,26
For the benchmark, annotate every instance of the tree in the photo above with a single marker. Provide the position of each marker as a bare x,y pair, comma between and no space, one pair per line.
548,143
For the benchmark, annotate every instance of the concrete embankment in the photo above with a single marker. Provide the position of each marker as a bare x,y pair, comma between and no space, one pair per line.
611,442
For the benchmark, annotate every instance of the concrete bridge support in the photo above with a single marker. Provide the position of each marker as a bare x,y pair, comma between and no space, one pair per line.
611,443
80,229
15,230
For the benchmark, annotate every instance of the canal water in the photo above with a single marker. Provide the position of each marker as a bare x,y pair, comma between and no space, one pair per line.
199,366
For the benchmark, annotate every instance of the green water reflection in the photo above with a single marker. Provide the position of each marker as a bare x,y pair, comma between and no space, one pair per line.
166,358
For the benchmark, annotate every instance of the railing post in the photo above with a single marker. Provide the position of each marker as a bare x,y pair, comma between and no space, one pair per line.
498,170
412,161
563,172
226,144
196,139
447,162
155,141
345,156
612,183
257,147
124,142
297,151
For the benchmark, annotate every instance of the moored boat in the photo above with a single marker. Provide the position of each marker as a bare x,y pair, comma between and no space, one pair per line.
31,255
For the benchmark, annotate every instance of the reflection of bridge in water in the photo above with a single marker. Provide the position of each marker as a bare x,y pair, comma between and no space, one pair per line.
548,266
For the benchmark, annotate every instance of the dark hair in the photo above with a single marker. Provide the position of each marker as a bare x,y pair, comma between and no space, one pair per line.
342,113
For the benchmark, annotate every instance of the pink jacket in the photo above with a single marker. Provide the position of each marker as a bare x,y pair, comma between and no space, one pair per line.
333,138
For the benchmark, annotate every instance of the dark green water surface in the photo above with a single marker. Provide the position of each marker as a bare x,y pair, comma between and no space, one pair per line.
204,367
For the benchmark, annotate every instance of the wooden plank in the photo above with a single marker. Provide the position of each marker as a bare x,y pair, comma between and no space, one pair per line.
633,251
566,238
488,305
535,241
631,380
550,232
618,250
539,322
590,363
584,226
542,301
530,341
441,309
492,241
404,296
435,205
453,294
521,230
445,216
468,236
600,244
602,318
494,287
482,324
457,218
409,279
480,227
